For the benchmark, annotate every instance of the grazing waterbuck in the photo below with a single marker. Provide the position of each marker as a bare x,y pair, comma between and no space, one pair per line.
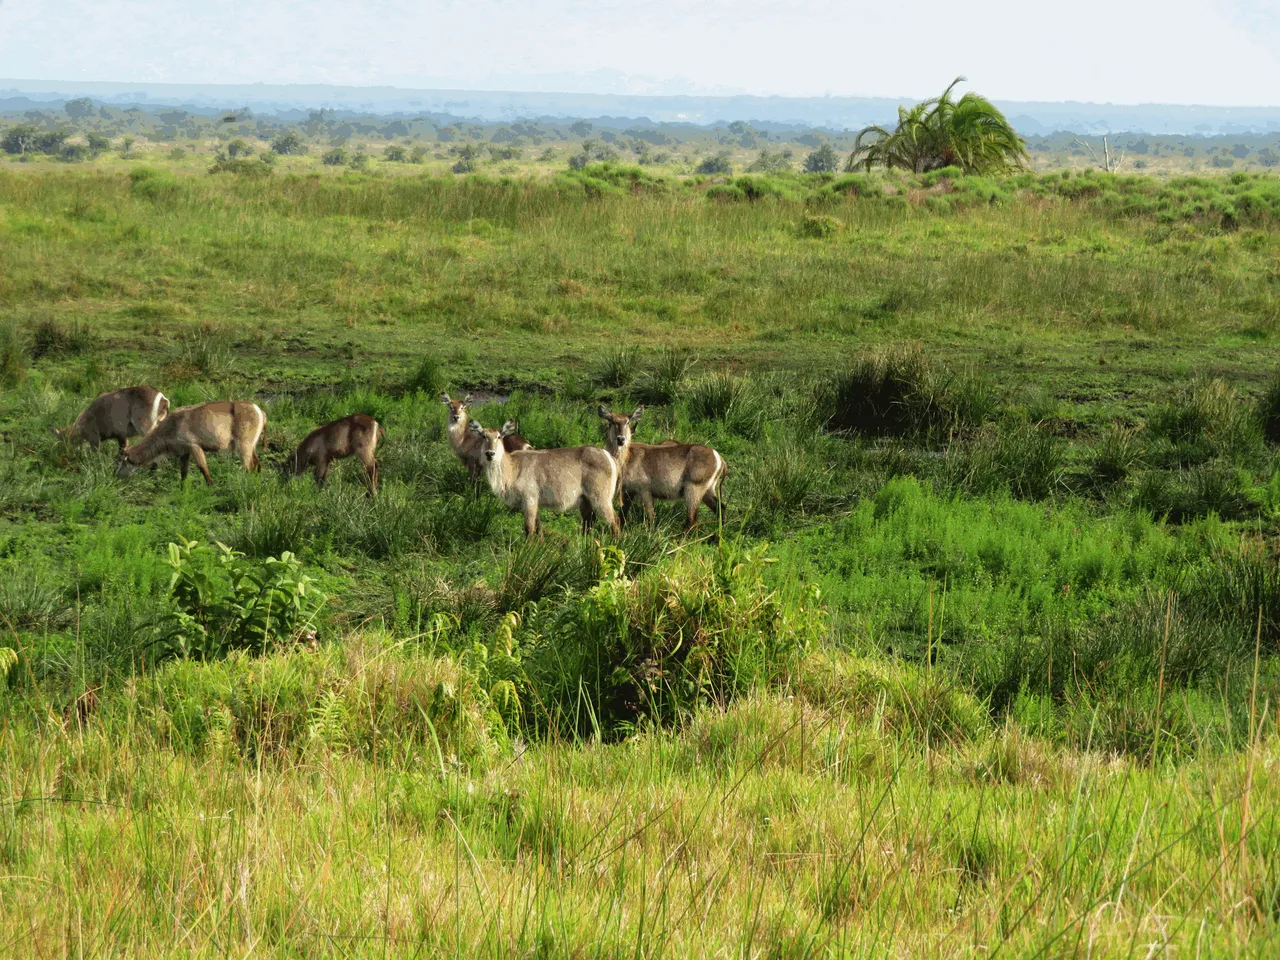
559,479
355,435
118,415
691,472
466,445
188,432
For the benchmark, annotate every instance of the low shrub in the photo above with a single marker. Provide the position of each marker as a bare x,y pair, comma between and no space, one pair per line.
51,338
13,358
1268,412
736,402
1116,455
222,601
900,393
616,367
368,695
662,382
1025,459
1207,420
630,652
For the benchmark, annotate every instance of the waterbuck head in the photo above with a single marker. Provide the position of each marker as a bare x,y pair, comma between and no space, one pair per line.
618,427
492,449
124,466
457,408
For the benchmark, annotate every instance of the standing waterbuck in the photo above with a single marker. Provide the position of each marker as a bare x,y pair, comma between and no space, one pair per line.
354,435
465,443
188,432
690,472
560,479
118,415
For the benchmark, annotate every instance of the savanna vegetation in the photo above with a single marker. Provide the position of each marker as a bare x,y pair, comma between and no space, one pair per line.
983,658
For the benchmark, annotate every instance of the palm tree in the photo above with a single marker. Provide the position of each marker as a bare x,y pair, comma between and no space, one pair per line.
969,133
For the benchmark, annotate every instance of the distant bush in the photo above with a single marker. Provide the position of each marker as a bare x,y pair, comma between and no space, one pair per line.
241,166
51,338
1268,412
1208,419
395,154
154,185
818,226
289,143
822,160
899,392
336,157
718,164
853,185
1025,459
238,148
26,138
770,162
13,367
663,382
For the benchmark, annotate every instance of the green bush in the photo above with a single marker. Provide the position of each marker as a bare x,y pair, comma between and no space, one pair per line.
1268,412
663,382
898,392
220,601
628,652
1025,459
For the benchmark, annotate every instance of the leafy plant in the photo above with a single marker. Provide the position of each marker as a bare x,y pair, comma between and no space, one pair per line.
222,601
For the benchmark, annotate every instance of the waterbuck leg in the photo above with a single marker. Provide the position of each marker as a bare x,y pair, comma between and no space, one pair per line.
322,470
184,463
588,514
198,456
370,473
646,501
531,525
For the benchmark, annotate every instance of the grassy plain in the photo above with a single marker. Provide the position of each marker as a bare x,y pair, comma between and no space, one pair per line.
983,660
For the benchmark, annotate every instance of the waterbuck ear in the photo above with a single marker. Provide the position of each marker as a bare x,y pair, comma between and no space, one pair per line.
474,428
444,398
637,413
508,428
604,412
468,398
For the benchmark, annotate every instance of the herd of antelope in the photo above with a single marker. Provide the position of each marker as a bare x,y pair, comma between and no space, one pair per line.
591,479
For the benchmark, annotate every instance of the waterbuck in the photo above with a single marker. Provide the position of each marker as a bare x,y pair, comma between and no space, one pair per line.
118,415
188,432
559,479
465,444
354,435
690,472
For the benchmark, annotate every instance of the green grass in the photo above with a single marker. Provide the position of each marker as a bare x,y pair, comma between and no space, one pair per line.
970,662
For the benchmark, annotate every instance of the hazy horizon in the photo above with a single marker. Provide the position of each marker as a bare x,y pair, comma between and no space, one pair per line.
1192,52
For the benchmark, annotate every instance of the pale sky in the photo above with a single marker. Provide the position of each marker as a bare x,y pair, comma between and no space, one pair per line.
1119,51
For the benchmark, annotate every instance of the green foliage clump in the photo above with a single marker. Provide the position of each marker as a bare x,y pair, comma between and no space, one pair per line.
369,695
13,366
1206,420
650,649
221,601
898,392
51,338
852,185
663,382
157,186
818,226
602,179
718,164
1268,412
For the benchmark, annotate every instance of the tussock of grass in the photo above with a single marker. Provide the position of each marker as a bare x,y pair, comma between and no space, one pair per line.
899,393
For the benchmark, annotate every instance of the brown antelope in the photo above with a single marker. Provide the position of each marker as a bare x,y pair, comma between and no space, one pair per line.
119,415
690,472
356,435
465,443
560,479
188,432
